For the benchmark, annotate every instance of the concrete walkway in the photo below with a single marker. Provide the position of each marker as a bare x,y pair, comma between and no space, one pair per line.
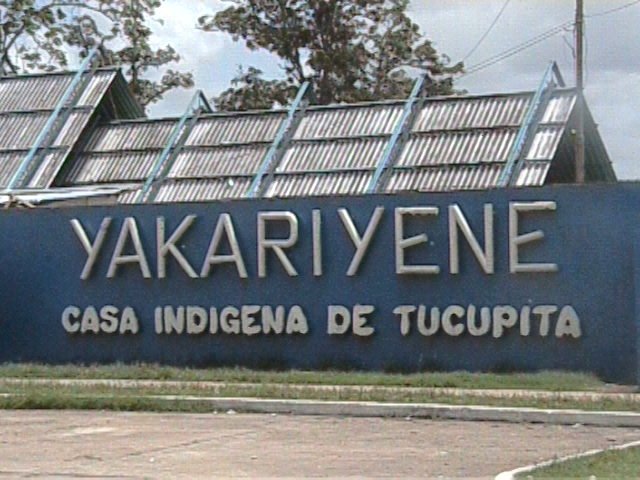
70,444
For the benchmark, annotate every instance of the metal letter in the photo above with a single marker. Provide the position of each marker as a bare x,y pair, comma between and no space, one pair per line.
92,249
316,227
516,240
361,243
277,245
457,221
129,229
169,246
403,243
224,225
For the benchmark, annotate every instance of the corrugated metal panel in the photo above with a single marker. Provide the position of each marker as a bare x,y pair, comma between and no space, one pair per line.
111,167
9,162
310,184
131,136
97,87
221,161
50,164
203,190
349,121
42,92
129,197
435,179
458,148
533,174
559,107
235,129
73,127
463,113
334,155
545,143
19,131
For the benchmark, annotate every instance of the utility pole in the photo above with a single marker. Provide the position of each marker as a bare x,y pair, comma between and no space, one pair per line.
579,140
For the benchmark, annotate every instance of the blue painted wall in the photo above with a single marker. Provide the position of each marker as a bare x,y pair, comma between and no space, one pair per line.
591,236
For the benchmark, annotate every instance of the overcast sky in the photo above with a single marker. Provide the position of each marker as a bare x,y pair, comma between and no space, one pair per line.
455,27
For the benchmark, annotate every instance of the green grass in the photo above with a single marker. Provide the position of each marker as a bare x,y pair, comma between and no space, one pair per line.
550,381
239,382
609,464
36,395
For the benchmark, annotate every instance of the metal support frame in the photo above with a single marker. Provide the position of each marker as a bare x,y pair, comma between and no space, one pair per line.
396,141
54,123
177,138
551,78
278,146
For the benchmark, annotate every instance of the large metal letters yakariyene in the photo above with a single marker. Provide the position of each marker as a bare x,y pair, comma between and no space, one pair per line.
516,279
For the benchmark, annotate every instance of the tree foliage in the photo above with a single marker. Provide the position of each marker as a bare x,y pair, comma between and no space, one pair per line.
43,35
351,51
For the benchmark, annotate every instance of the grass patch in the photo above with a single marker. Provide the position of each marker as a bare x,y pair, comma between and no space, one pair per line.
610,464
140,397
549,381
36,388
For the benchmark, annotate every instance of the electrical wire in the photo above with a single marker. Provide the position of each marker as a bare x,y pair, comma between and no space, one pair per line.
517,48
613,10
532,41
486,33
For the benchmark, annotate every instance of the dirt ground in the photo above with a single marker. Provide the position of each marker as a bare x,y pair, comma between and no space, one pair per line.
64,444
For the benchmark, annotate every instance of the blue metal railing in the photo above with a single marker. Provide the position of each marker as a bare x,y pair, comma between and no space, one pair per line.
25,165
551,77
270,158
198,103
390,150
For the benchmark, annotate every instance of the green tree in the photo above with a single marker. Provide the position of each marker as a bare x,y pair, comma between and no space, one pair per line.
351,51
135,54
39,35
34,33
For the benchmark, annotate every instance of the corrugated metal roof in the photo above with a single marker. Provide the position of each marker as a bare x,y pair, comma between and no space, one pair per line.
454,143
353,121
459,113
235,129
532,173
9,162
220,147
461,131
24,93
18,131
135,135
314,184
192,190
26,103
458,147
359,153
114,166
445,178
218,161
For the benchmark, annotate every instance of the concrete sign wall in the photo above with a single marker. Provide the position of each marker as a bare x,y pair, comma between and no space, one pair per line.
501,280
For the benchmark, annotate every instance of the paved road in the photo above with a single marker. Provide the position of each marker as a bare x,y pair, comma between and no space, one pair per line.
73,444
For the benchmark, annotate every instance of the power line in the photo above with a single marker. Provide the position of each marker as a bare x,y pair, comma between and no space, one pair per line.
517,48
613,10
486,33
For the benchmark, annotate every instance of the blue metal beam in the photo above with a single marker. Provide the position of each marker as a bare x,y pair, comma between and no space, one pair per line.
196,105
271,158
19,175
391,149
551,77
